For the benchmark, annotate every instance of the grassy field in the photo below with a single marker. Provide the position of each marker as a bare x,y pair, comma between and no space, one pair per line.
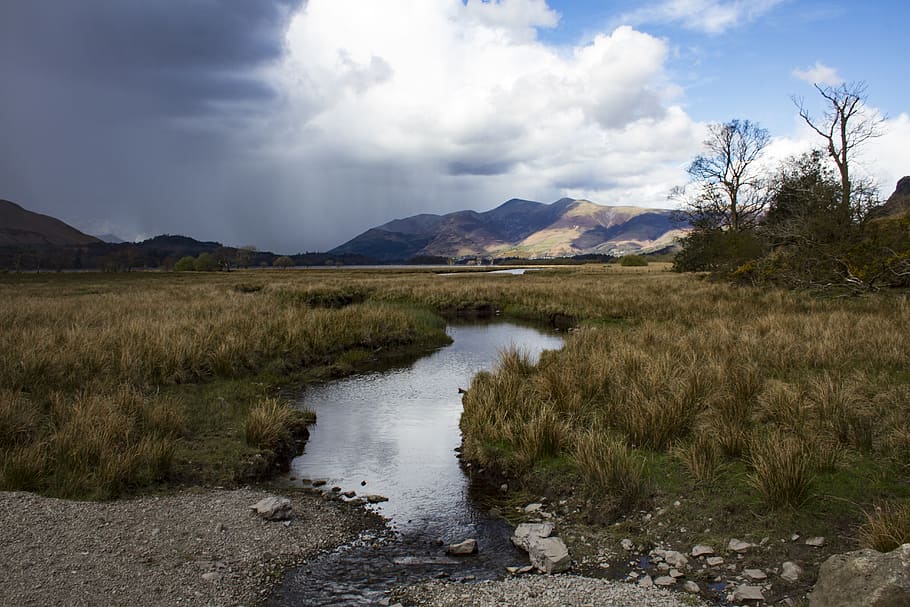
771,410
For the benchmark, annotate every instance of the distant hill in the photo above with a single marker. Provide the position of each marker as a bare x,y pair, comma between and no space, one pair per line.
21,228
110,238
520,228
899,202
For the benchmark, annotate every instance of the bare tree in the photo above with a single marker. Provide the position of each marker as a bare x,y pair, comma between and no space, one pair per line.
845,125
728,194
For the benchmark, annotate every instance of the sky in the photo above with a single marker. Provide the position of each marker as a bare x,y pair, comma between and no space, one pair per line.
294,125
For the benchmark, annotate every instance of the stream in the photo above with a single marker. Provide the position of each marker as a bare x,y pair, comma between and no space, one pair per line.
394,433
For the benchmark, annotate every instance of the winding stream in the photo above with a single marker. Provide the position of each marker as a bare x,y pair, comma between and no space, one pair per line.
394,434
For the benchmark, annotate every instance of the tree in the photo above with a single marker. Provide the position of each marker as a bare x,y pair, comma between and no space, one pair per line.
728,188
185,264
283,262
845,125
205,263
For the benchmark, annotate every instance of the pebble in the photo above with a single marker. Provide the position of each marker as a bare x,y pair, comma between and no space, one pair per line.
818,542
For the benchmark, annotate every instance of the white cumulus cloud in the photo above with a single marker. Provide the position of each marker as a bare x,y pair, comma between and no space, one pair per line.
442,105
819,74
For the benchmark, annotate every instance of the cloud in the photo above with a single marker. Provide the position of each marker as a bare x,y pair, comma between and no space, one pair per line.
708,16
819,74
295,126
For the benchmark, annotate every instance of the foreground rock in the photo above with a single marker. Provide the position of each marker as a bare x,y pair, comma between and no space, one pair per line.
864,578
540,591
273,508
462,548
547,553
193,548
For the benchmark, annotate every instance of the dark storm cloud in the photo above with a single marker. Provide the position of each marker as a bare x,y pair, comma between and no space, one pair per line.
135,115
181,53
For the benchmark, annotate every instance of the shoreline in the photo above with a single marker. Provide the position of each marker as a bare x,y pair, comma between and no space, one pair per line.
194,547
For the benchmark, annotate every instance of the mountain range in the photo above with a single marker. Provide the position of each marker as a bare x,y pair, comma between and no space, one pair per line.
521,228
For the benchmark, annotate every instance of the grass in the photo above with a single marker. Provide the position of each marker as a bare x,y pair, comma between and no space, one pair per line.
887,527
113,383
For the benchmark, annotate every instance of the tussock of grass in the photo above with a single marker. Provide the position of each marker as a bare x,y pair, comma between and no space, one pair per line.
609,467
267,424
887,527
701,456
781,470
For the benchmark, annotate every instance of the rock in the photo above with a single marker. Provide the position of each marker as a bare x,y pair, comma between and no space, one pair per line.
676,559
464,548
522,534
714,561
818,542
756,575
701,550
211,576
790,571
273,508
646,582
376,499
349,494
691,587
663,567
748,593
336,489
664,580
676,574
535,507
549,554
627,545
319,482
864,578
739,546
504,487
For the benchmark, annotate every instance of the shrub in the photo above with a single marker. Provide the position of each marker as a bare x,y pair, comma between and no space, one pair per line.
283,262
185,264
205,263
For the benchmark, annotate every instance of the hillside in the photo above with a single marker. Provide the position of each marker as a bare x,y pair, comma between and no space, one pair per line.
520,228
20,228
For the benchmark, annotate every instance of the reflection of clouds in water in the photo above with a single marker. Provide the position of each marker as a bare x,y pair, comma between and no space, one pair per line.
398,429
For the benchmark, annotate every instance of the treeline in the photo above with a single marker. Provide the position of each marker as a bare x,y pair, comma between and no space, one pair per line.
164,252
809,223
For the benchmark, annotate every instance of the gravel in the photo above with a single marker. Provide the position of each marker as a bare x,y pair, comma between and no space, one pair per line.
540,591
192,548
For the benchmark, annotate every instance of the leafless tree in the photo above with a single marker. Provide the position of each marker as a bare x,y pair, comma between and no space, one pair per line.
846,124
728,186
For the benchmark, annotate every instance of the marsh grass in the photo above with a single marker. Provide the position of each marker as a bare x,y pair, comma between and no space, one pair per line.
887,527
781,469
609,467
701,457
268,423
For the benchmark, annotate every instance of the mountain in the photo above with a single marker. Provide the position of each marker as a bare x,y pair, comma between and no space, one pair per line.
110,238
520,228
899,202
19,227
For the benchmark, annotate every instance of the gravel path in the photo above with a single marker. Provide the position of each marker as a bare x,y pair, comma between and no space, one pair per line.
193,548
541,591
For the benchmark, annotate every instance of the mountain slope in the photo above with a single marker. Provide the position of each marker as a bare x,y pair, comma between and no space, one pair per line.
520,228
20,227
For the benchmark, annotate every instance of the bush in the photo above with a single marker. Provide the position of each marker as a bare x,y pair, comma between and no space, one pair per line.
185,264
205,263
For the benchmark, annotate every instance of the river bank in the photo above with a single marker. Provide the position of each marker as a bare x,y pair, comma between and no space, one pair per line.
195,547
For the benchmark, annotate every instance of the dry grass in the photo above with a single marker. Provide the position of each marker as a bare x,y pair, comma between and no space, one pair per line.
781,470
609,467
887,527
267,423
701,456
